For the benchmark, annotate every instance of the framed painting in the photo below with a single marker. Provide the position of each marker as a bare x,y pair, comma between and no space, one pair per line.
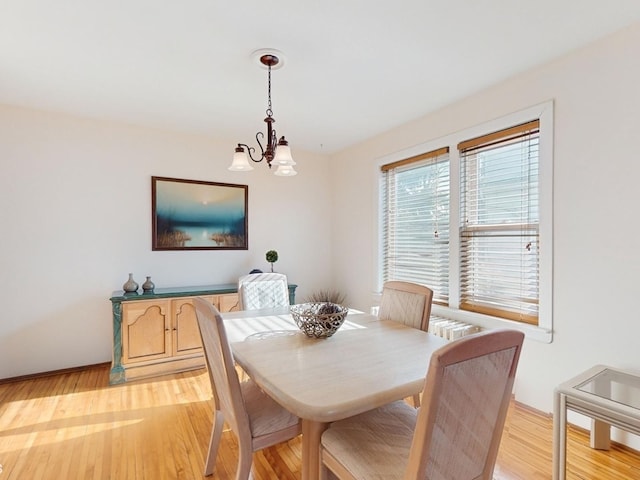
196,215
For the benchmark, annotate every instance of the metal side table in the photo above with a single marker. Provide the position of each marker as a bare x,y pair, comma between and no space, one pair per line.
608,396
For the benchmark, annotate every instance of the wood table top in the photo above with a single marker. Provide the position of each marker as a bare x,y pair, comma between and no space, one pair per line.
365,364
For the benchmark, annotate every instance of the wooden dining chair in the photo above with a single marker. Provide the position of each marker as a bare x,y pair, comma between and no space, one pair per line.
456,433
408,303
254,417
263,290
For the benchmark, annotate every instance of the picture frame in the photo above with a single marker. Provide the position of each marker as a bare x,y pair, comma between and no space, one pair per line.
198,215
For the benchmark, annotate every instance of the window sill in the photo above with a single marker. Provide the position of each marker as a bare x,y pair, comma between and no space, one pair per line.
539,334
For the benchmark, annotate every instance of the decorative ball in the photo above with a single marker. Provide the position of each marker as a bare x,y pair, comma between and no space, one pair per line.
272,256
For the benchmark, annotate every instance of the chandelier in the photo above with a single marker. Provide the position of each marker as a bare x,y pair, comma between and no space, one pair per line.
276,151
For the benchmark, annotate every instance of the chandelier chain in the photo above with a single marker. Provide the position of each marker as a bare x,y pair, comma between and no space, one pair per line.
269,109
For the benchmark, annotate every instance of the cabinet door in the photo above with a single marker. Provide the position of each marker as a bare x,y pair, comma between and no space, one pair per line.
185,332
145,331
228,302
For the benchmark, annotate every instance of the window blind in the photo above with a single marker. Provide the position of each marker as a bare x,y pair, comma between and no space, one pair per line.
416,221
499,231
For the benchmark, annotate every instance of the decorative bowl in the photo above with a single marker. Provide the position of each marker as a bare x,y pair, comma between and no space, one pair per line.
319,319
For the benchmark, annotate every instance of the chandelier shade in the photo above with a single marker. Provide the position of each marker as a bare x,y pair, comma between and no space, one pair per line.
240,161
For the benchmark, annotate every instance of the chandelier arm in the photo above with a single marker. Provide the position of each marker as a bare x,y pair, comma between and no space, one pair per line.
262,151
251,149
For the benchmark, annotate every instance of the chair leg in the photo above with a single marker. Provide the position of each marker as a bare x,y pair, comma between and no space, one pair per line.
322,474
214,442
245,460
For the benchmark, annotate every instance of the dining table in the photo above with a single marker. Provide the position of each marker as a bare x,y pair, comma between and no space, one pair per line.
367,363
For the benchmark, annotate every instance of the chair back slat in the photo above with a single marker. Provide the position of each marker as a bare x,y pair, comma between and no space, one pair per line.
407,303
263,290
221,367
464,406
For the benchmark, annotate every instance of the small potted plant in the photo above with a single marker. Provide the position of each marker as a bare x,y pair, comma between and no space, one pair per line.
272,257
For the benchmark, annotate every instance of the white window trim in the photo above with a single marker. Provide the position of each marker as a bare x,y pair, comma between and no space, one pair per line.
543,332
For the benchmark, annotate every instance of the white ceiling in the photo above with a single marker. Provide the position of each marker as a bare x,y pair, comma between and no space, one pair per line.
354,68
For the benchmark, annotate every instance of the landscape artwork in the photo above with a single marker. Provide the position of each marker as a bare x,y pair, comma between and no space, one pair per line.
197,215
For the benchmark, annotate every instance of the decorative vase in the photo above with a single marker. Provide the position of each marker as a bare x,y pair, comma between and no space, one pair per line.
130,285
148,286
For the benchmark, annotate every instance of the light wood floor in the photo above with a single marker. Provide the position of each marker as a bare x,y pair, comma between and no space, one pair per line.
74,426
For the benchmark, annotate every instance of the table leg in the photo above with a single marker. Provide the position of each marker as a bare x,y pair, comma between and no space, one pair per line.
311,433
559,436
600,437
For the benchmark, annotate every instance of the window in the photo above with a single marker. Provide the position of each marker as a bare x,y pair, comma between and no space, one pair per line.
499,237
416,227
472,219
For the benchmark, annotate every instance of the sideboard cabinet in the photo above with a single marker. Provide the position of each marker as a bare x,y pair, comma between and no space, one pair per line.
157,333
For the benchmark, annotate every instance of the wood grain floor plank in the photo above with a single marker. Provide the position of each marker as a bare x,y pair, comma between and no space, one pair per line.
75,426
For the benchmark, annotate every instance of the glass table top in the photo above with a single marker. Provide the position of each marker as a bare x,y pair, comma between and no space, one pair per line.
616,386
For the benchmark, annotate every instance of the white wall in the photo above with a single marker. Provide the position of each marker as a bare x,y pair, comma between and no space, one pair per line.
596,255
75,219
